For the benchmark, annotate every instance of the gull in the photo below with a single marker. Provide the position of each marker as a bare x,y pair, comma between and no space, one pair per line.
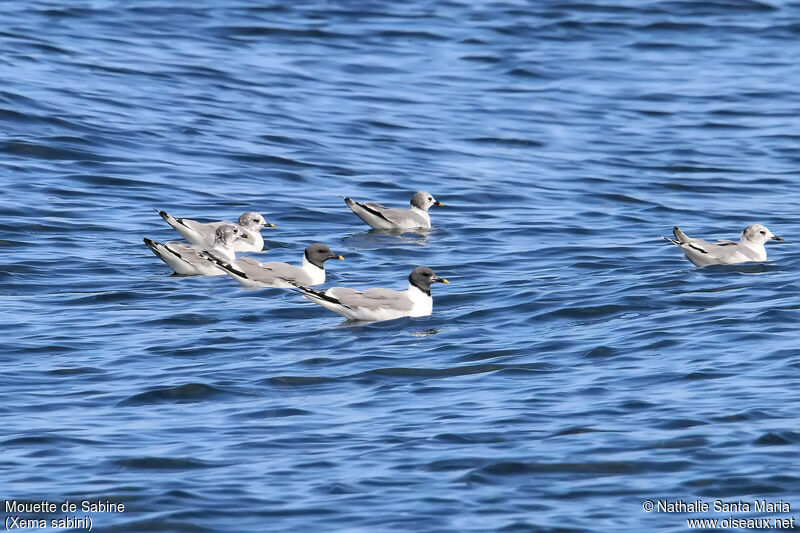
203,234
749,248
381,217
189,259
252,274
380,304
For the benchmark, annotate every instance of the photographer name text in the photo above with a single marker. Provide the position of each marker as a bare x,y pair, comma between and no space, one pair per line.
721,506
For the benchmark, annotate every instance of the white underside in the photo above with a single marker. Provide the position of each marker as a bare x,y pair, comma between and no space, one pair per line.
254,245
316,274
425,215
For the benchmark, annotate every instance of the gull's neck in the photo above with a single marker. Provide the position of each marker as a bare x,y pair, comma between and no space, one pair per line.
757,248
316,273
416,292
255,233
422,302
423,213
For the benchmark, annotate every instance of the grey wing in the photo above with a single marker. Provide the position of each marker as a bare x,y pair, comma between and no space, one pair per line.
215,225
372,298
375,205
189,253
402,217
729,252
250,267
206,231
698,245
269,272
723,252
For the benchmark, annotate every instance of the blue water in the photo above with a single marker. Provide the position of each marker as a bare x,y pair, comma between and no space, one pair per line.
576,366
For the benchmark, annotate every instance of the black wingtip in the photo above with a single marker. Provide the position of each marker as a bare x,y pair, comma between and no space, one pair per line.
373,211
153,248
350,203
303,288
300,289
217,261
692,246
316,294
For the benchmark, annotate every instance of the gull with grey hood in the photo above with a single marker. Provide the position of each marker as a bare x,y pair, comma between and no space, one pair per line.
252,274
377,304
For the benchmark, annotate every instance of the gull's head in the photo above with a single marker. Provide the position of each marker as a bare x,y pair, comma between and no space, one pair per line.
318,253
254,221
424,200
758,234
227,234
423,277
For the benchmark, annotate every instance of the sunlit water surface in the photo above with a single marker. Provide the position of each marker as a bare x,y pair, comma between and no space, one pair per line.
576,366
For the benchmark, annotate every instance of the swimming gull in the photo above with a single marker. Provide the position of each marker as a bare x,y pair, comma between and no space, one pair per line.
203,234
381,217
190,259
749,248
251,273
380,304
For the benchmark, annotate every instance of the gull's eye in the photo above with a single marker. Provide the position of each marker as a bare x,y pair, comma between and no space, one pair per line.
763,233
235,230
430,199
